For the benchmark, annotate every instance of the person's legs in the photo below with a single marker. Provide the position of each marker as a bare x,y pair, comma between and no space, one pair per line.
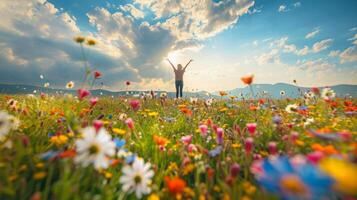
177,88
181,88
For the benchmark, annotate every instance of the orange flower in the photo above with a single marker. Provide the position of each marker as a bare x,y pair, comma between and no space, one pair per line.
161,141
247,79
67,154
186,111
329,149
175,185
222,93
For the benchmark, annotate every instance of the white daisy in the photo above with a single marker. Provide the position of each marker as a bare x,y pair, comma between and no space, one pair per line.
7,123
291,108
328,93
209,102
163,95
193,100
137,178
94,148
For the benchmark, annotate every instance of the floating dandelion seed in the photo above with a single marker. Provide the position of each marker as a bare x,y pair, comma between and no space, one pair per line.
41,76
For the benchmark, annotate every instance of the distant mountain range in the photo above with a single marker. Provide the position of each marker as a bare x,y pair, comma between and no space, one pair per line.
271,90
292,91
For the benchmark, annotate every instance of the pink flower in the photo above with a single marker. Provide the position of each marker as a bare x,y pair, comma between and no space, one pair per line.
314,157
219,135
272,148
235,168
82,93
130,123
203,128
135,104
251,128
191,147
93,101
97,124
248,145
186,139
294,136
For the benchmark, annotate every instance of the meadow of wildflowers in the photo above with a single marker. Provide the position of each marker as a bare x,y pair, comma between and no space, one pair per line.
153,147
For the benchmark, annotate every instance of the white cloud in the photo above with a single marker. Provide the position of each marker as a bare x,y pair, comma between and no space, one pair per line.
348,55
312,34
127,47
270,57
315,65
302,52
334,53
282,8
354,39
353,29
297,4
133,11
322,45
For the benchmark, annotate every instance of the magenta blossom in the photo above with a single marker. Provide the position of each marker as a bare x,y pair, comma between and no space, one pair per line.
219,134
97,124
248,145
135,104
251,128
82,93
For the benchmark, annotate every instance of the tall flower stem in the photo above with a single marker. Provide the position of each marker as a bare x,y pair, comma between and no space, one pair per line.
86,68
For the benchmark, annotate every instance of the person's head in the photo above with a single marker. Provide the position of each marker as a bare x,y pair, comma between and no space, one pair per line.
179,66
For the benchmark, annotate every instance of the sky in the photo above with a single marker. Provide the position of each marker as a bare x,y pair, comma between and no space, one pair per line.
313,42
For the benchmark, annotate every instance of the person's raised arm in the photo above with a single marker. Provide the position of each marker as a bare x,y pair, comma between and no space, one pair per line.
172,65
187,64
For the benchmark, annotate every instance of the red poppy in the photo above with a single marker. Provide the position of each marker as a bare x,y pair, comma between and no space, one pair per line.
97,74
127,83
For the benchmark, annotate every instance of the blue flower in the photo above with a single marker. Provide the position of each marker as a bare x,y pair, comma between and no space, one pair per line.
119,143
215,152
130,158
49,155
301,181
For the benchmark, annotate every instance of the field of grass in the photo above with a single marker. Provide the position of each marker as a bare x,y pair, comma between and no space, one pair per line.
64,147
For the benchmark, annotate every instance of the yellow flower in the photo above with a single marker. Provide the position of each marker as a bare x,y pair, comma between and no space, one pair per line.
119,131
153,114
91,42
299,142
108,175
343,172
189,192
173,167
236,145
40,165
39,175
59,140
223,109
153,197
188,169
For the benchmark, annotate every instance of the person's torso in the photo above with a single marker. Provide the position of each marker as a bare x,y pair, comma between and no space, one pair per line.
179,75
